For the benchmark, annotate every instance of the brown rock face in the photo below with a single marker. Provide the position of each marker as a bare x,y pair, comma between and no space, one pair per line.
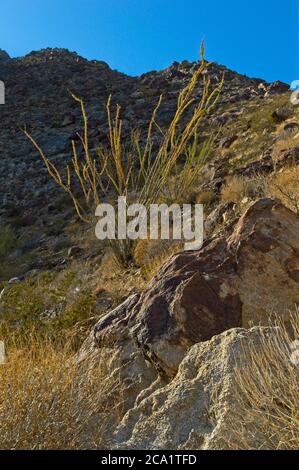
126,361
240,278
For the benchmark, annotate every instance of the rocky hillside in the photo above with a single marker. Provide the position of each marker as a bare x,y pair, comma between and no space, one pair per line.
38,98
170,327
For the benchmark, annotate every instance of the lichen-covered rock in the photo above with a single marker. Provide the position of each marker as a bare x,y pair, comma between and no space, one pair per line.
192,411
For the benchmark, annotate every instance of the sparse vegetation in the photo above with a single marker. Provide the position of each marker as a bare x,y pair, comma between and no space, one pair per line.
234,190
138,169
266,411
49,401
41,305
284,185
254,128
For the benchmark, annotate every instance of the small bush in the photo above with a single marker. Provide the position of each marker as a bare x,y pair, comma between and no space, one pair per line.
285,186
204,197
234,190
43,305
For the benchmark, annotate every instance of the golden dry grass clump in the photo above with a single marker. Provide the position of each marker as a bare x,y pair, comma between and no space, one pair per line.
234,190
265,414
284,185
49,401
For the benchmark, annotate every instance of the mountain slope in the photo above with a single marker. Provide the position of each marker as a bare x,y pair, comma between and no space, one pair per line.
38,96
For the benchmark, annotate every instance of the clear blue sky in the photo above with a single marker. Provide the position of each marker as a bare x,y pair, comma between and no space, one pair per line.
255,37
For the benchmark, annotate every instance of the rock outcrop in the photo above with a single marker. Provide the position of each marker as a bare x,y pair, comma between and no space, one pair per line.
192,411
237,279
175,348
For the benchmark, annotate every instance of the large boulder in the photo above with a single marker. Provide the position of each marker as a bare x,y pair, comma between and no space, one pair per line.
237,279
193,410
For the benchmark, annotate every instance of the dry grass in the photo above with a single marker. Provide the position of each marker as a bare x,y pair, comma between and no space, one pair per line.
118,280
151,254
234,190
241,190
48,401
284,185
283,144
265,414
204,197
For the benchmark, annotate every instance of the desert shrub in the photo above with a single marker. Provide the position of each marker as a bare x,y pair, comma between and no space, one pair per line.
237,188
284,185
204,197
265,414
234,190
49,401
138,168
21,307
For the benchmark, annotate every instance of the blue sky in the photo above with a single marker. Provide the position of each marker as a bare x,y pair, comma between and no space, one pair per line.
255,37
